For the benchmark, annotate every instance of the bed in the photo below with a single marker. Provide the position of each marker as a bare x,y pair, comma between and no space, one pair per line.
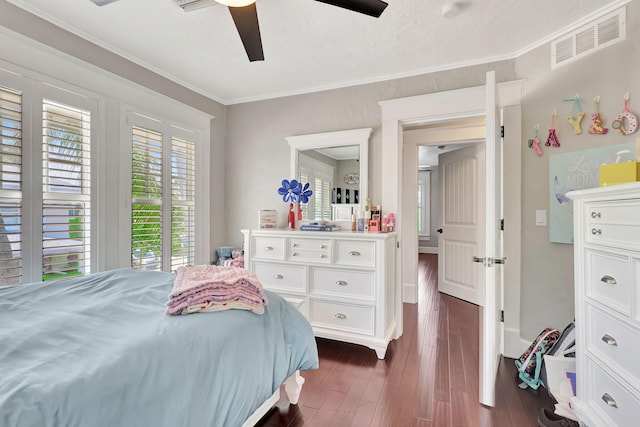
99,350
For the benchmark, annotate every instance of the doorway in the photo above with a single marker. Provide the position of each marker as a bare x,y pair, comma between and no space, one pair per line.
438,108
424,145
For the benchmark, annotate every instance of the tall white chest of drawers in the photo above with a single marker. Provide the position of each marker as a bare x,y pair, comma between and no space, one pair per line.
607,296
343,282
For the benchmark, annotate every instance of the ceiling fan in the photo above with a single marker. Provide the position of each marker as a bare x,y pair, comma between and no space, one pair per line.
245,17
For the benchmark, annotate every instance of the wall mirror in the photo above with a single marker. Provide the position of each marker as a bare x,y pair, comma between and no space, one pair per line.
336,165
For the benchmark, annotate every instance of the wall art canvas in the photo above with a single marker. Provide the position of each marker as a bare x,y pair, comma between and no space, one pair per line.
575,171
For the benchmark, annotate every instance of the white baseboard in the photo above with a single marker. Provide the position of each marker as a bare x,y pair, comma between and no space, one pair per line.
409,293
428,249
514,346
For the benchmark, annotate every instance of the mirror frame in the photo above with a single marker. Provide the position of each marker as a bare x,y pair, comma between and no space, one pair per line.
358,137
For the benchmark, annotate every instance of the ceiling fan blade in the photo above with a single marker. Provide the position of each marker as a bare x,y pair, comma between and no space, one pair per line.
368,7
246,20
102,2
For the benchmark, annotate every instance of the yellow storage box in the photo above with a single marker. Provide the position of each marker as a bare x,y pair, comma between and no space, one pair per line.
619,173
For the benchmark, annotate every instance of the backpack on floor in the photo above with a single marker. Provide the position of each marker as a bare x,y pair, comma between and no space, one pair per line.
565,343
530,363
564,347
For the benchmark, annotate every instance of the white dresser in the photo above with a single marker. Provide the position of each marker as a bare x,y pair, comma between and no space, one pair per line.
607,296
343,282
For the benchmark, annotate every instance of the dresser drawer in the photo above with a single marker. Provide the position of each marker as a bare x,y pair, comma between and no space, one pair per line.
269,248
342,283
356,253
344,317
613,341
608,280
310,245
282,276
323,257
614,224
616,405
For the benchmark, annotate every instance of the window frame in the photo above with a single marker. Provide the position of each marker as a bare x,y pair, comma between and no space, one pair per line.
34,92
169,131
424,205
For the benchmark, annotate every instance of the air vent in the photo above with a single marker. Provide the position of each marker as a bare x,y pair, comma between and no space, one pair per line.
605,31
189,5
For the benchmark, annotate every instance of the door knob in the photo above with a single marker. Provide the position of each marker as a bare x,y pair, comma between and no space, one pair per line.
439,230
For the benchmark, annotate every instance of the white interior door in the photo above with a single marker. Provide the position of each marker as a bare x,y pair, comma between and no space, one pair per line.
437,108
461,234
490,324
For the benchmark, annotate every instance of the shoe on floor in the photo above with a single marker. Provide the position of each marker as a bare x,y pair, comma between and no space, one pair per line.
549,419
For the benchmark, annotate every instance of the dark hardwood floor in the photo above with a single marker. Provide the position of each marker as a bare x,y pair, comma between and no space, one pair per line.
429,377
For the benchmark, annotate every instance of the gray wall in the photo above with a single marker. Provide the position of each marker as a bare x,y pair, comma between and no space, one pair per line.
547,268
258,154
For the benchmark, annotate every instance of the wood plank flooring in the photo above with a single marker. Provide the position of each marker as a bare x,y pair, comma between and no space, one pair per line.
429,377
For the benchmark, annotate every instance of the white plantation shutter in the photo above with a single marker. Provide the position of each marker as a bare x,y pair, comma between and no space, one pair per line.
323,192
10,187
183,182
319,206
146,193
66,190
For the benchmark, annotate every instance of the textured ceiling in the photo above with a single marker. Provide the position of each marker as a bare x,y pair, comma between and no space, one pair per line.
309,45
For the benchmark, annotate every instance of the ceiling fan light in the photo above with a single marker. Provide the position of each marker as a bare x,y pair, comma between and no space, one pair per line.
451,9
236,3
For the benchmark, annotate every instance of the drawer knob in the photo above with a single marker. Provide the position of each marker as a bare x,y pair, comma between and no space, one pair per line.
354,253
609,400
278,276
595,231
295,245
269,248
595,215
323,246
610,340
323,256
608,280
341,283
344,316
294,254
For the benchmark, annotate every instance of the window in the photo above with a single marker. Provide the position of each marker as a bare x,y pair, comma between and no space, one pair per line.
183,180
162,217
424,197
10,187
146,194
320,177
45,192
66,191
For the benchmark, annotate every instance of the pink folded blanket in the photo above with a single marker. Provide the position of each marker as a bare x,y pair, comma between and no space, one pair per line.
214,288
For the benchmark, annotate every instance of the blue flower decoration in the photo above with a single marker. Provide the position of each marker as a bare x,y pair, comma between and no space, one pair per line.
305,193
290,190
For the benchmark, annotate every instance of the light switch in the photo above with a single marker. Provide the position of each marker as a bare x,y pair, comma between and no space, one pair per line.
541,217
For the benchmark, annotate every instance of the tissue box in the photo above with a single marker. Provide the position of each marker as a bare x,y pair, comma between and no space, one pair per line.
619,173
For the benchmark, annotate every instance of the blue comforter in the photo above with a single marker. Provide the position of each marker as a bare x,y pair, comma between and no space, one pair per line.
99,350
